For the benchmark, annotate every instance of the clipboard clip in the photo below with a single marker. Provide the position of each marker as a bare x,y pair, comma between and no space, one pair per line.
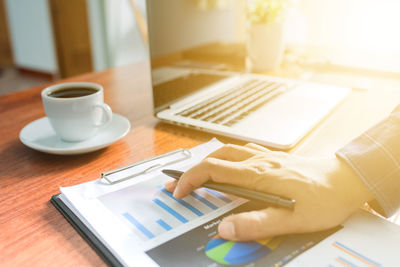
146,166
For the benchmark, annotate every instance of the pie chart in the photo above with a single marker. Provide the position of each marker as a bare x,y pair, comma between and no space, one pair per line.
233,253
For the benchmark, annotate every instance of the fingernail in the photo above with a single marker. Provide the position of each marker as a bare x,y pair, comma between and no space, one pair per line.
175,194
227,230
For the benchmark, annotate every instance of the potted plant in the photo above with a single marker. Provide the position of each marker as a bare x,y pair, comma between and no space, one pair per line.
265,42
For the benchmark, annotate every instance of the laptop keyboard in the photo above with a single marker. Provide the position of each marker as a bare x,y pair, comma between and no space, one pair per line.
231,106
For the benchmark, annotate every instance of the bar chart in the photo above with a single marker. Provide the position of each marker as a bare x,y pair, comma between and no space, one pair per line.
351,257
150,211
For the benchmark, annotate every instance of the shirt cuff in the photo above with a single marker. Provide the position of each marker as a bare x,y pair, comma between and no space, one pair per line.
375,158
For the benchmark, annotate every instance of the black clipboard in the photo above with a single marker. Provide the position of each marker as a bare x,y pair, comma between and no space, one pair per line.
57,200
85,232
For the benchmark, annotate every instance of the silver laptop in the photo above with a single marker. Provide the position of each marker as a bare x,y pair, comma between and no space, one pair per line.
199,80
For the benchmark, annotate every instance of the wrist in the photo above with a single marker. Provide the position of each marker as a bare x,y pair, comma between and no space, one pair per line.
348,187
353,184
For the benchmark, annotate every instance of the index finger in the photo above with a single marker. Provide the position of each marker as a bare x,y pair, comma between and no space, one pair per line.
213,169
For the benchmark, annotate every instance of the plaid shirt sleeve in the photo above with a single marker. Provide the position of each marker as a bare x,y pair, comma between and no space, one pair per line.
375,157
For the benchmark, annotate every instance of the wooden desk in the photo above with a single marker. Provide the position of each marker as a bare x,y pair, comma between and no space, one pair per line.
34,233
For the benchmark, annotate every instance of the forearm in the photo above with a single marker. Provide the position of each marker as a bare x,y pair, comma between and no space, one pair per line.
375,157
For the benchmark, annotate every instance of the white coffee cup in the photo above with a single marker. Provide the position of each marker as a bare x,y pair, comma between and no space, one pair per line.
76,110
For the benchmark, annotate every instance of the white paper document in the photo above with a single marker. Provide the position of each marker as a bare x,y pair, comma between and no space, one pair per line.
142,224
139,214
364,240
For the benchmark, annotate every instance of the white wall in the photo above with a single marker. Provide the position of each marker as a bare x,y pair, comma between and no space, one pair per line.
114,34
98,35
125,43
31,35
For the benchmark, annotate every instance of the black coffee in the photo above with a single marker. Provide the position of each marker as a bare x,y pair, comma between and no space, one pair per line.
72,92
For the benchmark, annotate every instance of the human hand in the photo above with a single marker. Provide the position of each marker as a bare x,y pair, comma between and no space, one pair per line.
326,190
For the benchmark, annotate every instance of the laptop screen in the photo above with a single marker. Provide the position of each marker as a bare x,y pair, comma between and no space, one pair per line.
193,44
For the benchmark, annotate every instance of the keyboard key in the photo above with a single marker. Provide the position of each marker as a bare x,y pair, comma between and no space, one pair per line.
235,104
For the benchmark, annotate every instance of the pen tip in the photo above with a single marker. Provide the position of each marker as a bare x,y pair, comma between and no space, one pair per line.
172,173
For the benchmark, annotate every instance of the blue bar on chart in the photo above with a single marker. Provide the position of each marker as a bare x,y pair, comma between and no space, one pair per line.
164,225
204,201
170,210
218,195
138,225
183,203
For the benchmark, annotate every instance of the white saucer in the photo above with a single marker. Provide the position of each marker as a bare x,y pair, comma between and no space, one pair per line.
39,135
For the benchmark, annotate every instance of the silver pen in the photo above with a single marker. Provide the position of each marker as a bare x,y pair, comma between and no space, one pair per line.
242,192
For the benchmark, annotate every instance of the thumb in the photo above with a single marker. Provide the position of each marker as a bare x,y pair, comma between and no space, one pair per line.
255,225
